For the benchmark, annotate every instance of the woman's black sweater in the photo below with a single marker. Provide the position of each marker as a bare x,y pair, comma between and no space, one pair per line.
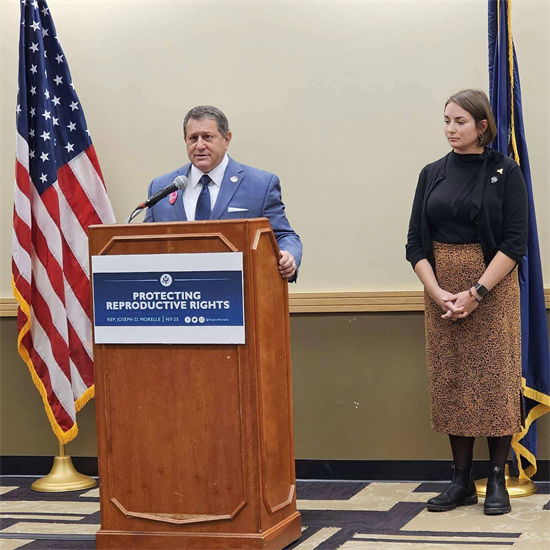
490,206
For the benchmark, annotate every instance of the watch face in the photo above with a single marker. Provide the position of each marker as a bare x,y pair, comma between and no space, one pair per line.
482,290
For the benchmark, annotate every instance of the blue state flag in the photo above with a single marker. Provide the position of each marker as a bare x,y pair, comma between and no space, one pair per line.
505,95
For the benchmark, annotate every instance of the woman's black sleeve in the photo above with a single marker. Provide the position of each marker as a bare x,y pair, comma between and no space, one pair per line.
515,216
414,249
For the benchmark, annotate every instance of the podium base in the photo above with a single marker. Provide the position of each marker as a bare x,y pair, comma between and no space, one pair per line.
276,538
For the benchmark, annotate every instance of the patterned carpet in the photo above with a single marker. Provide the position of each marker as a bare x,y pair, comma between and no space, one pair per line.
335,516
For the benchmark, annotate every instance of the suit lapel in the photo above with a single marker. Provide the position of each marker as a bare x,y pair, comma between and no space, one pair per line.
178,205
231,181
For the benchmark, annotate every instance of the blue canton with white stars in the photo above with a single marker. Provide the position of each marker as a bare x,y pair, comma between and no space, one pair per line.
48,113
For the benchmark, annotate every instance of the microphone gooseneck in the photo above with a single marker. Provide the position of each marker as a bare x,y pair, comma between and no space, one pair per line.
179,183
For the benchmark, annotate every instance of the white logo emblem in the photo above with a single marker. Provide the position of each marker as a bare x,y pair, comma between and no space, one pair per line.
494,179
165,280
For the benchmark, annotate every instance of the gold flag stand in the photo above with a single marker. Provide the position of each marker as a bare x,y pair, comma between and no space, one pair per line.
63,477
516,487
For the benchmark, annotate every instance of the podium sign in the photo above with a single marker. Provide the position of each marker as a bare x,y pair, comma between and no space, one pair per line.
168,298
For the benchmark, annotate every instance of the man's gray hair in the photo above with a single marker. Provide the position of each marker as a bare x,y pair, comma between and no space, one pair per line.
207,111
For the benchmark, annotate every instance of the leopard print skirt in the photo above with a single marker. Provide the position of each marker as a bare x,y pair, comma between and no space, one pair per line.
474,364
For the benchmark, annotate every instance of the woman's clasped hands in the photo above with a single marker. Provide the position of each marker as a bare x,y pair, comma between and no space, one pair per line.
454,306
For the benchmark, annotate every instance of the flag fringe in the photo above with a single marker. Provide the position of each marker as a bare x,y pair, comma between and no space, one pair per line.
63,437
511,69
536,395
535,413
84,398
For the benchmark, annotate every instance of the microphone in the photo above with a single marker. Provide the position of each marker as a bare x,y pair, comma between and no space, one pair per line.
180,183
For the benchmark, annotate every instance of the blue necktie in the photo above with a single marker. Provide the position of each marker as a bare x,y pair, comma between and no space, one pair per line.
203,208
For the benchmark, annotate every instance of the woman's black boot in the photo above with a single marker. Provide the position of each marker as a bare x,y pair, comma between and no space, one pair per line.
497,500
461,492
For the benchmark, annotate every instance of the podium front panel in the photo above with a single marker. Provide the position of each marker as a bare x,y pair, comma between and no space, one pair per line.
195,441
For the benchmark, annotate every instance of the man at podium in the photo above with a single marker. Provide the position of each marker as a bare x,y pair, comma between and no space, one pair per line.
221,188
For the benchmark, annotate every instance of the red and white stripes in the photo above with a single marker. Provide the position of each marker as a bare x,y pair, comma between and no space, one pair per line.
51,281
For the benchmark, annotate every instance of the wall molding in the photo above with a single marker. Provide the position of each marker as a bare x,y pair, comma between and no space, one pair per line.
8,307
329,302
357,302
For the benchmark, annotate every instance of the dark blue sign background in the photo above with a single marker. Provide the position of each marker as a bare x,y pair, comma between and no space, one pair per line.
214,286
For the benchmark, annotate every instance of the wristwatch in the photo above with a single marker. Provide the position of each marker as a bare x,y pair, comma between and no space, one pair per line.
482,290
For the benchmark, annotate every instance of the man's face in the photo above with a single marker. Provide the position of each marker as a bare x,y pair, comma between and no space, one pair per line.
206,147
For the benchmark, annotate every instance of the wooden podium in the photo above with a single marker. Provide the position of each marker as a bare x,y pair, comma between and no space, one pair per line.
195,442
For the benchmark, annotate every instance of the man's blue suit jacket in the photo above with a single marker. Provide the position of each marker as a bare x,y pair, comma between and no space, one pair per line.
257,191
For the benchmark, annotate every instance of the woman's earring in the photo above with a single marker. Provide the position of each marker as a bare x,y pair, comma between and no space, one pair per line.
480,138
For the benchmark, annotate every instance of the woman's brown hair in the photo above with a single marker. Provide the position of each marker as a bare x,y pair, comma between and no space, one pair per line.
477,104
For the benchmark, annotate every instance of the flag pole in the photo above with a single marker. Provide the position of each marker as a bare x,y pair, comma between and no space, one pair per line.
63,476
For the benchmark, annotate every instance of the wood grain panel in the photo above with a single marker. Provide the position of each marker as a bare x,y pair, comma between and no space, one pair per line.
275,538
275,390
175,448
193,440
196,242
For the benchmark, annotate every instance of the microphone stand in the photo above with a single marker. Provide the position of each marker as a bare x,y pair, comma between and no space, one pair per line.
134,214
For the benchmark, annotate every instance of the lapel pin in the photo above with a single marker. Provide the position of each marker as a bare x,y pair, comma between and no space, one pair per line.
494,179
234,179
500,170
173,197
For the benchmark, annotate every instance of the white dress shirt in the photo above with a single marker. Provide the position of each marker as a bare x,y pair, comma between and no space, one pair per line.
193,190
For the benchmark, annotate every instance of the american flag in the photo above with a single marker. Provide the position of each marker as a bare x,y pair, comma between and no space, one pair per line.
59,192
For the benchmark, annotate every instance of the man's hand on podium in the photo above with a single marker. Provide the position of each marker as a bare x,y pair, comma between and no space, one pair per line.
287,264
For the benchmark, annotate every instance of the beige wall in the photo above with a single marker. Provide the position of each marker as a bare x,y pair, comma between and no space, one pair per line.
338,98
360,393
341,99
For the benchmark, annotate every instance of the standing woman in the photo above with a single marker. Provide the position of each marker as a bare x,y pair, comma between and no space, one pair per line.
467,234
